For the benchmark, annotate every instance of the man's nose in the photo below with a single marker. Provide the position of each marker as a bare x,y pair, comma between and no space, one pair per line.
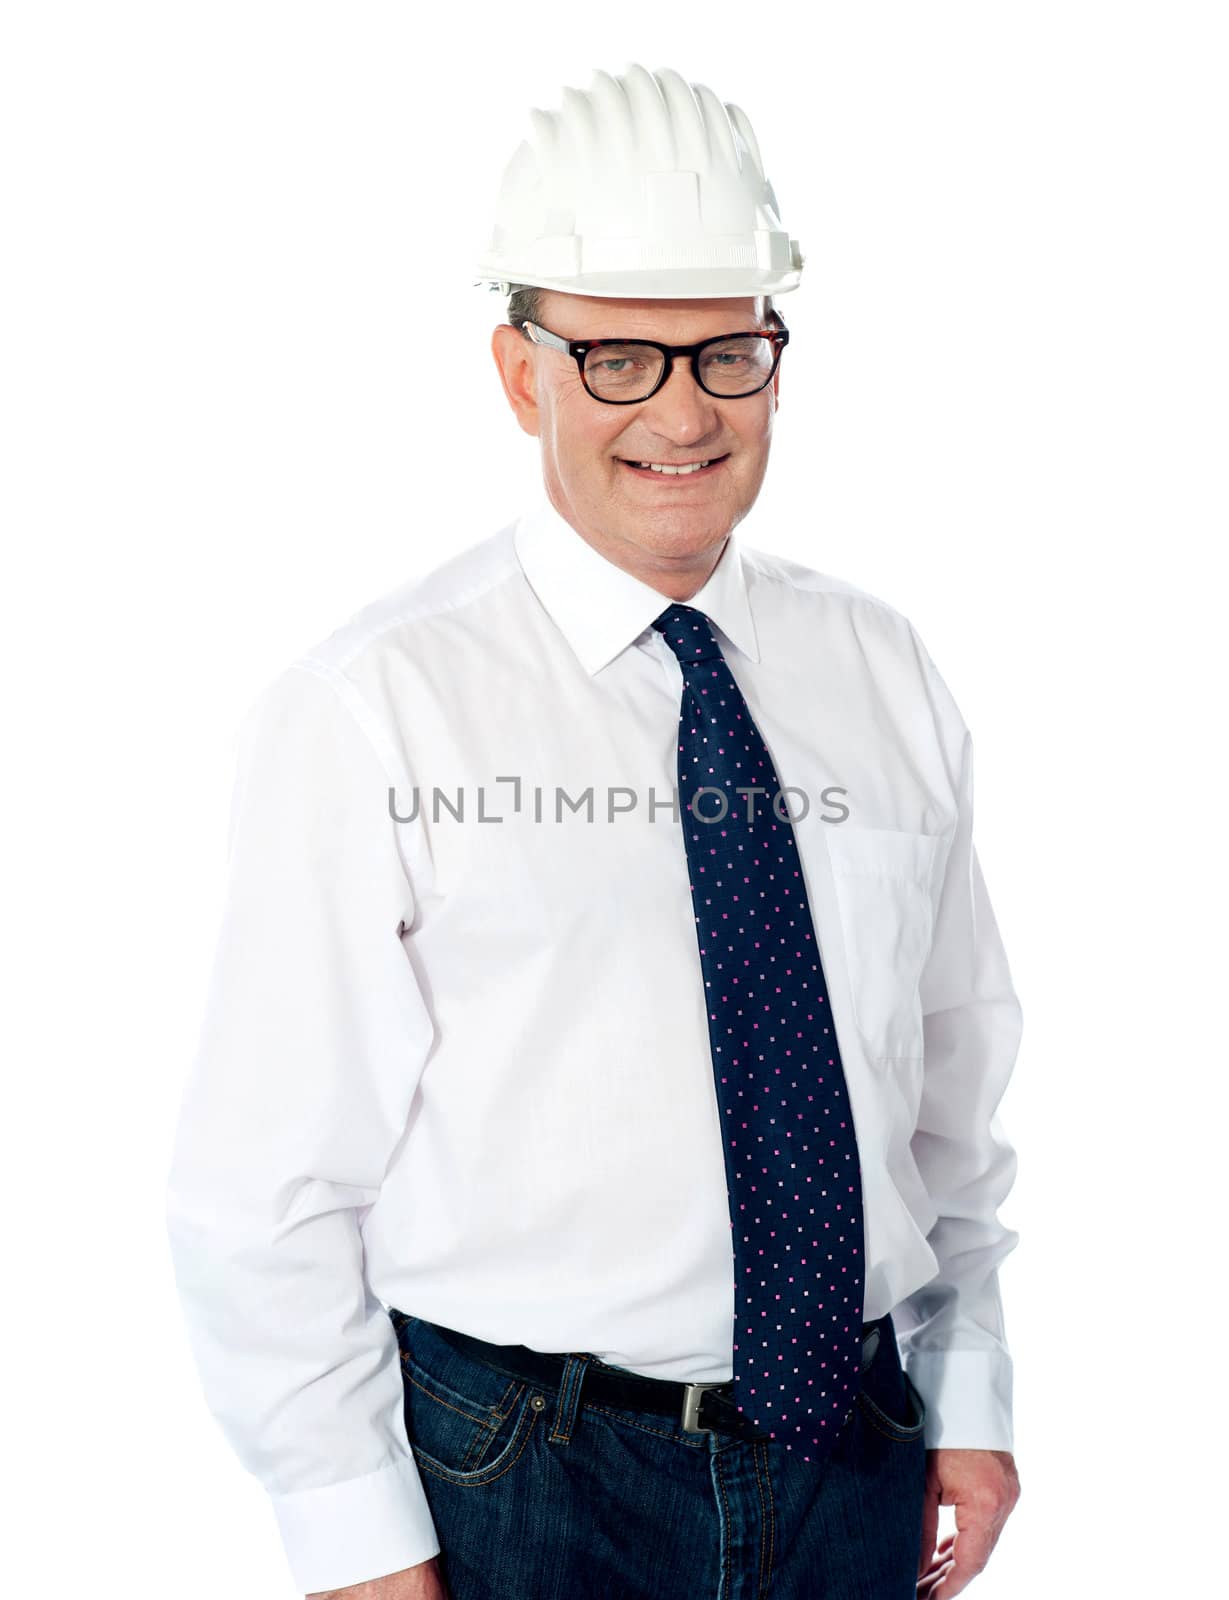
681,406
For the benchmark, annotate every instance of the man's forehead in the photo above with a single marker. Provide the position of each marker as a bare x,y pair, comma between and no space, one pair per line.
582,316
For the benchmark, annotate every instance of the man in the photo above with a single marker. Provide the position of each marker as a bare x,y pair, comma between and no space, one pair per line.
609,1017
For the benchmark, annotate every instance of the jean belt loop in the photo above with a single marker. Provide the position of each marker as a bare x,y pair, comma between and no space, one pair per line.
569,1398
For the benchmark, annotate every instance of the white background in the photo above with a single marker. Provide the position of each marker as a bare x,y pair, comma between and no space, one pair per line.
247,386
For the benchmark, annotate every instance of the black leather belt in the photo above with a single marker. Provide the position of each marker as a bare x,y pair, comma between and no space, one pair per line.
697,1407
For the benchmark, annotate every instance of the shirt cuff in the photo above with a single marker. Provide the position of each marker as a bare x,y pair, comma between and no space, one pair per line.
968,1395
347,1533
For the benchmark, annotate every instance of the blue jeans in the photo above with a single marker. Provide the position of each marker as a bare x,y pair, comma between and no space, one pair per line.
537,1494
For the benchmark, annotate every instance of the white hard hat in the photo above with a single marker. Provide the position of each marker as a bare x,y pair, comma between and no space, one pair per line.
644,187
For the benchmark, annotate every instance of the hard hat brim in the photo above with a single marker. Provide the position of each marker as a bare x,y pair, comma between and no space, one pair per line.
712,283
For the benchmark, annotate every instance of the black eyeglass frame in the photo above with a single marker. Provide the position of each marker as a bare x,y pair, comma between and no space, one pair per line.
578,349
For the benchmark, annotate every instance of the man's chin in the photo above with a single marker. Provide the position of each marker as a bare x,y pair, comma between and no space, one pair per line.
672,530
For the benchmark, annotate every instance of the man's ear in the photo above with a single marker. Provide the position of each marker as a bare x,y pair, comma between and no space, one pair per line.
514,358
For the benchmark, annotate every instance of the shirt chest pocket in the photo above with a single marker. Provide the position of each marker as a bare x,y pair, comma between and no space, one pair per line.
883,882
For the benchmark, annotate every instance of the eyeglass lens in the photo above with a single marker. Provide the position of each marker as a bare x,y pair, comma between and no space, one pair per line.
732,366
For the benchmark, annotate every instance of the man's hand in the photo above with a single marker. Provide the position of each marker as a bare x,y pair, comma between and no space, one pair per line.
983,1487
422,1582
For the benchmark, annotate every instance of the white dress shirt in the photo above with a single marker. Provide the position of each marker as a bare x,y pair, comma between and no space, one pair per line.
461,1065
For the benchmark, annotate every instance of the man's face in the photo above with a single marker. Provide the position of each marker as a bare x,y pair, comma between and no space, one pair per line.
648,522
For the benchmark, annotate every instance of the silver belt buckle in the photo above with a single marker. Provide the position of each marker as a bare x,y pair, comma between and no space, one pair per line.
693,1393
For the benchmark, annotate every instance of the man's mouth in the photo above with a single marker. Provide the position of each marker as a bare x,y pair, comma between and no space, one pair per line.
674,471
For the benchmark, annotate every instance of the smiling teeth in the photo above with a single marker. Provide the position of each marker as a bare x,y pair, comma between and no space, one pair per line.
694,466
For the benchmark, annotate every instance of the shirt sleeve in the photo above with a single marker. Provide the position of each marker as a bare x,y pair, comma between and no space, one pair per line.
314,1039
951,1330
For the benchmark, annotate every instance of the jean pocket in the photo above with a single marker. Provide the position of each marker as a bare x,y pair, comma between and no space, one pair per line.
911,1426
883,885
466,1422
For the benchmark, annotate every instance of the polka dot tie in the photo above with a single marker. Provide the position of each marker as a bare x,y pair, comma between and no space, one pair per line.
791,1158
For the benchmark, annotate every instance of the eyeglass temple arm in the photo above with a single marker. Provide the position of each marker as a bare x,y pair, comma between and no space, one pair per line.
541,336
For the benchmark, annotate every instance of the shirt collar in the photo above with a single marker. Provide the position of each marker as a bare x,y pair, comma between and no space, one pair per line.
599,608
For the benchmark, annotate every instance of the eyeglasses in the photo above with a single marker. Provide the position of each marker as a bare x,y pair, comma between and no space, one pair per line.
622,372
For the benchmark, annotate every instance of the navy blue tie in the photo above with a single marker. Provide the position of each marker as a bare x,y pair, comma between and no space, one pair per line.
791,1157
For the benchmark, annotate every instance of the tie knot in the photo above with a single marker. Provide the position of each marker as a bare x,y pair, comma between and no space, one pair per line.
689,634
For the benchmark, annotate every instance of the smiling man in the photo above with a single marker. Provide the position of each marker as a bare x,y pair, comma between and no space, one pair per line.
589,1185
657,475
